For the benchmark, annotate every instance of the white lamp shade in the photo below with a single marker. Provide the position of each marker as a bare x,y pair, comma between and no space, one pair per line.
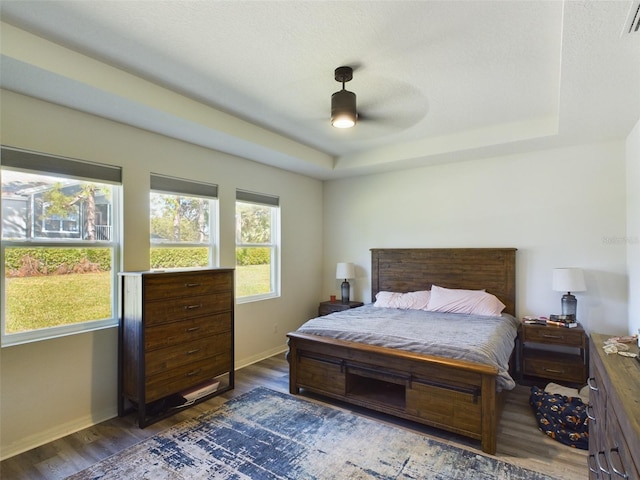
568,280
345,270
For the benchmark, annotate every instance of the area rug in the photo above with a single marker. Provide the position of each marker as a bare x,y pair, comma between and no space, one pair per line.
265,434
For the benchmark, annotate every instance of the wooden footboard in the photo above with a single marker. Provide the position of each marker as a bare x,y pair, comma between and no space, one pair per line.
453,395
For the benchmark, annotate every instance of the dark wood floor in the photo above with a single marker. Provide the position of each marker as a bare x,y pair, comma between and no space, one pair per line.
519,440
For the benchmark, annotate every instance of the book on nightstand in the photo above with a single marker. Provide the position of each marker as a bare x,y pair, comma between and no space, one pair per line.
568,321
562,324
529,320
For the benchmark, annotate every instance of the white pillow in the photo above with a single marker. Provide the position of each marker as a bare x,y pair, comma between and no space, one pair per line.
472,302
408,301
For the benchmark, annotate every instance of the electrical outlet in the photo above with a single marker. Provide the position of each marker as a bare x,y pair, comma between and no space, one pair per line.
275,328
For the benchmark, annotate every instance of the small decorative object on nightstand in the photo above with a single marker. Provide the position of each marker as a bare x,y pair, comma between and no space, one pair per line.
550,353
345,271
568,280
326,308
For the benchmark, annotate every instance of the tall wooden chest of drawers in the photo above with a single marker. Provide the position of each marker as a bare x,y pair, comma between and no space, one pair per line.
176,338
614,414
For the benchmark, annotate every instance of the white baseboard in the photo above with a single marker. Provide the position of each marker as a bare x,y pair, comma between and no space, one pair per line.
59,431
245,362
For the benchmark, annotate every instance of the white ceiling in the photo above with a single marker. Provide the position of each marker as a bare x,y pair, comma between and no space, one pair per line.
436,81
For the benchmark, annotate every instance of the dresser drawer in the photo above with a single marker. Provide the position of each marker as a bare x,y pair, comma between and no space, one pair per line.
555,336
187,307
556,367
167,334
186,376
597,396
169,358
163,286
616,451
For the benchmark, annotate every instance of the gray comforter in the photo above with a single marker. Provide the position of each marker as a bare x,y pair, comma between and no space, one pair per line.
475,338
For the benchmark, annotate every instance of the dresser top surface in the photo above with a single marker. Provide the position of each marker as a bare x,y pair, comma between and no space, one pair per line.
178,270
623,374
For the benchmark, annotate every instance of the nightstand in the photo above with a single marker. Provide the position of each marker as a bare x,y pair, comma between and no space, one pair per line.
326,308
550,353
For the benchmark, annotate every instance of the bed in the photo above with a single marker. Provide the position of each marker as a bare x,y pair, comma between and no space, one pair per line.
460,394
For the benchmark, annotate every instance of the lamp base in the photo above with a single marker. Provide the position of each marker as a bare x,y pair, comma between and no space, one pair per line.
569,304
345,287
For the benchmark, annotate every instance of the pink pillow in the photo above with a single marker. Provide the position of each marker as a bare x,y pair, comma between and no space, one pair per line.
408,301
472,302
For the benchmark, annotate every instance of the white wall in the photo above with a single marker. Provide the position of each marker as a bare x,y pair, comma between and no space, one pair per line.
51,388
633,227
563,207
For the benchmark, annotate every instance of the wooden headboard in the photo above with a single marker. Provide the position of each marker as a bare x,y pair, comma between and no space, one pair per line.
413,269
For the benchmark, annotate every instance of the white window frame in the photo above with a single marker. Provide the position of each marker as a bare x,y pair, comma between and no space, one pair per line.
166,185
38,163
272,201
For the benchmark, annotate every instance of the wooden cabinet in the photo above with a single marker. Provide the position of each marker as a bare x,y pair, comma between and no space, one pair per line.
614,414
325,308
176,340
550,353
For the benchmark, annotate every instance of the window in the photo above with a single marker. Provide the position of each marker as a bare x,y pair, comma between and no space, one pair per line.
57,223
59,245
183,223
257,246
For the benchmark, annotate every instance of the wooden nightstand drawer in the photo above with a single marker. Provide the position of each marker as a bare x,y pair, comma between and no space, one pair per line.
326,308
568,337
555,366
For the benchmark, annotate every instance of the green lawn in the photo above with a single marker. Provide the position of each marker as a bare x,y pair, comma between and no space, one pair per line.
253,280
51,301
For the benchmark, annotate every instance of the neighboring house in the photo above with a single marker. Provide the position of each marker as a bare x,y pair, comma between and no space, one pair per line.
25,216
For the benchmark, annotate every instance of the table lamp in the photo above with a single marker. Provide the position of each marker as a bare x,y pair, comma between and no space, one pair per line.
345,271
568,280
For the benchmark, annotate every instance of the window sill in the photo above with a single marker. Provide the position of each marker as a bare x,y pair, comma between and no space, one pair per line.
24,338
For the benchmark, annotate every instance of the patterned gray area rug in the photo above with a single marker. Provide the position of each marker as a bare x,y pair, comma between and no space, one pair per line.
265,434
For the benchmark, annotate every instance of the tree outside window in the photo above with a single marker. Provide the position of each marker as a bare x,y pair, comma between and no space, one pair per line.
257,244
183,225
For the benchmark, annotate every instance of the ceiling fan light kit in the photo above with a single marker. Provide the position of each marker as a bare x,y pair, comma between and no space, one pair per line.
343,102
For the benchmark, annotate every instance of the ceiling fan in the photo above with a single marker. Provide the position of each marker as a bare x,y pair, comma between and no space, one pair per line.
392,106
343,102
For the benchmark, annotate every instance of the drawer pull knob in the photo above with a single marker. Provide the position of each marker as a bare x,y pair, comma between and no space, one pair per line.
193,329
589,415
591,382
610,462
192,373
191,352
602,469
550,370
192,307
555,337
589,461
191,285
